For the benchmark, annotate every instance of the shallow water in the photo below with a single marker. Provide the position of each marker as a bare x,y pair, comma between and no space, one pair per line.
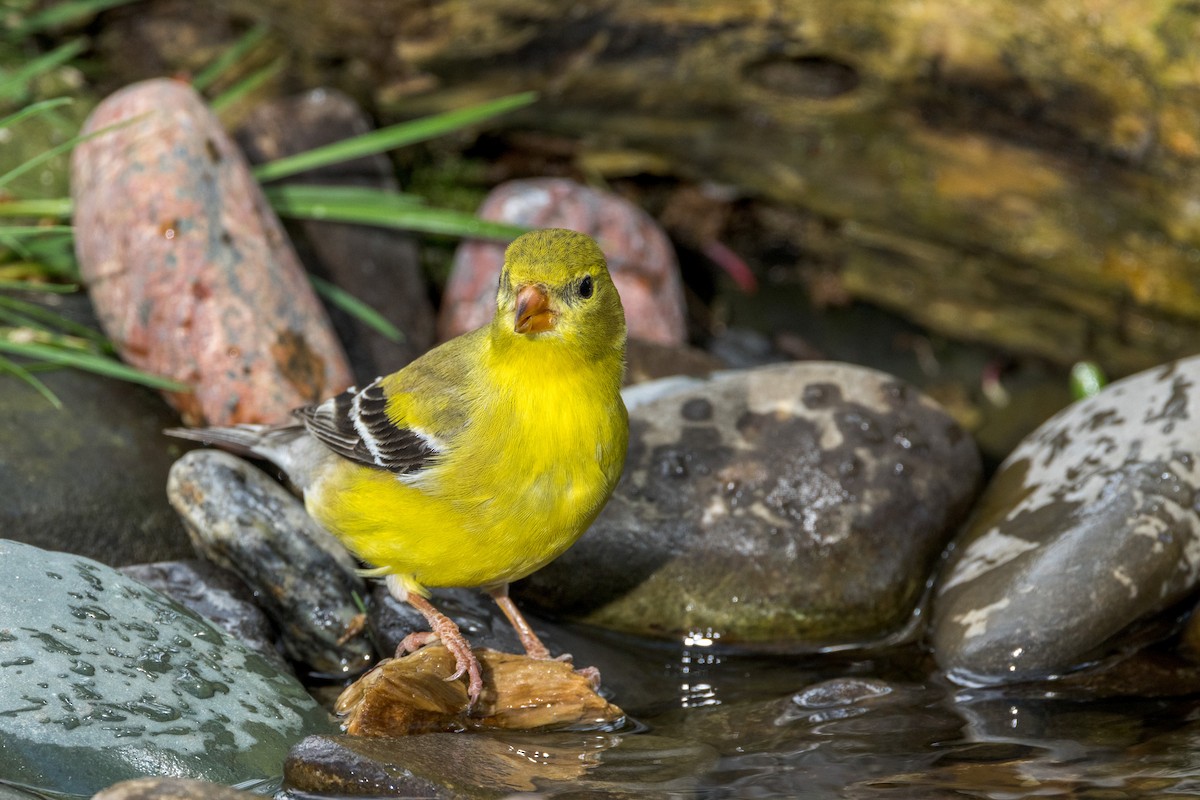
883,724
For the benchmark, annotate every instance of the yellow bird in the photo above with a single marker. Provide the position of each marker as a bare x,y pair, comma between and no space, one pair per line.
485,458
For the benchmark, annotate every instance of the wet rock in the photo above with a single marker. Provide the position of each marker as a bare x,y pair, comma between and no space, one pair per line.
447,765
88,479
189,269
107,680
171,789
305,580
648,361
640,257
377,265
1089,525
794,506
217,595
404,696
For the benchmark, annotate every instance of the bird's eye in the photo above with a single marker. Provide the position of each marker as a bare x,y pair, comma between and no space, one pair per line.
585,287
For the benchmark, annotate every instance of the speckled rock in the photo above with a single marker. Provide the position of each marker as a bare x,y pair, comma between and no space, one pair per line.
792,506
456,766
106,680
189,269
1090,524
640,257
88,479
240,518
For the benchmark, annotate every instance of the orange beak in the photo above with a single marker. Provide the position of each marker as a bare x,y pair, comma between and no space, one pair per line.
533,311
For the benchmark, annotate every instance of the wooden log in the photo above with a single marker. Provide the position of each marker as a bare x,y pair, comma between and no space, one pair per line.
1020,175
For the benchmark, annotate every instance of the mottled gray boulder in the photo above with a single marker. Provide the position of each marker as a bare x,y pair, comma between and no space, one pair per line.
104,680
1090,524
799,505
240,518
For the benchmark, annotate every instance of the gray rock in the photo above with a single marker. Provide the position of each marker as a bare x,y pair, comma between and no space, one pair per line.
453,765
88,479
306,582
172,789
799,505
1089,525
217,595
105,680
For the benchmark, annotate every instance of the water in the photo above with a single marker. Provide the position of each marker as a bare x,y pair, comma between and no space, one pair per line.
883,724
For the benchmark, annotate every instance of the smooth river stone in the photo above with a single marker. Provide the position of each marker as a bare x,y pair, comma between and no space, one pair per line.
188,267
792,507
104,680
1090,524
640,257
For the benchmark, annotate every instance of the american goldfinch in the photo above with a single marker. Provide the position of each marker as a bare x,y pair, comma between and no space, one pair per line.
485,458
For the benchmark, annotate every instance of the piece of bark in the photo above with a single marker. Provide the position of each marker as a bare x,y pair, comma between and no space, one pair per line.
190,272
411,695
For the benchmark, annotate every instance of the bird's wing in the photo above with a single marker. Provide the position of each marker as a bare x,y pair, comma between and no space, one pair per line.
355,424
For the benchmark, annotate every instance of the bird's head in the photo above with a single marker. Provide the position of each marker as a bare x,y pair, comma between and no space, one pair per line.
555,286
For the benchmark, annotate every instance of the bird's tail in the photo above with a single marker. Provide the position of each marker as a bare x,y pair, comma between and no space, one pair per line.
260,441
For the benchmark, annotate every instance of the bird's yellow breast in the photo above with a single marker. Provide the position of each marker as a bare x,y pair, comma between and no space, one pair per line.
515,487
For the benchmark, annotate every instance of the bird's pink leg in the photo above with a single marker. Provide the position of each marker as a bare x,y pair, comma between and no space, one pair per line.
444,629
529,640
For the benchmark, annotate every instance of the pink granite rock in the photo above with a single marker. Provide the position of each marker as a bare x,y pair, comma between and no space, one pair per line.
640,256
187,266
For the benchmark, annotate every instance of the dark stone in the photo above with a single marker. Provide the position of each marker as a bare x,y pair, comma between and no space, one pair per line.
771,520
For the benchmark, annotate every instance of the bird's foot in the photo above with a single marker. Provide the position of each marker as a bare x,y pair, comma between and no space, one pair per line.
414,642
444,629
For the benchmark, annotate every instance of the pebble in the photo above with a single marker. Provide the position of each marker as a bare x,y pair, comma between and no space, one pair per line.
801,505
640,257
189,269
305,580
1090,525
105,680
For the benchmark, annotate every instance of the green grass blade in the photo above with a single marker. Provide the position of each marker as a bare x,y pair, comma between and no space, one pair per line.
248,85
317,196
92,362
36,286
34,230
33,109
51,320
390,138
231,56
16,83
62,13
376,207
57,207
19,371
357,308
74,141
